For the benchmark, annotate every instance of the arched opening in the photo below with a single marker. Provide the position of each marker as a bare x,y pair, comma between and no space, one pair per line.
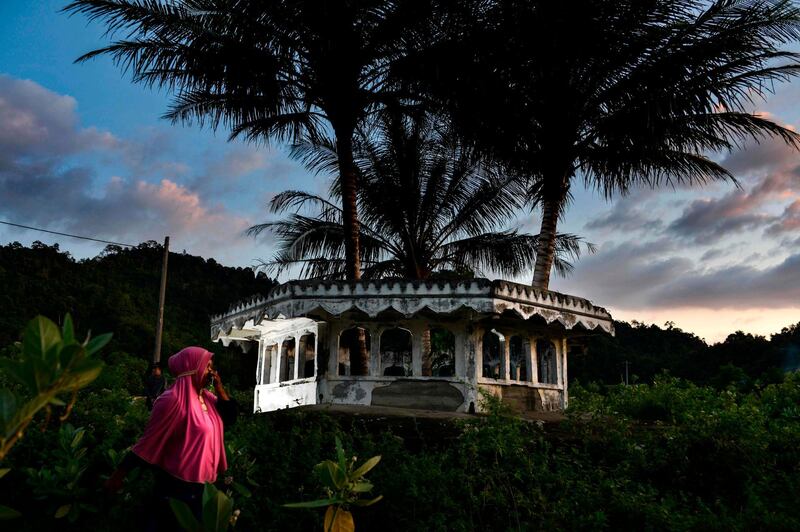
307,350
518,360
546,357
438,353
288,360
396,353
493,355
354,346
265,363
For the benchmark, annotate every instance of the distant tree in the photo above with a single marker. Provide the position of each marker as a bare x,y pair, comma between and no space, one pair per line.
612,93
118,291
430,205
277,69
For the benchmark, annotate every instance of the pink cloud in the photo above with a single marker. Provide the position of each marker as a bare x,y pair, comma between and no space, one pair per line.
788,221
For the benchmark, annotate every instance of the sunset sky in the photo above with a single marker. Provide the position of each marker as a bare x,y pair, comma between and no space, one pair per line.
83,150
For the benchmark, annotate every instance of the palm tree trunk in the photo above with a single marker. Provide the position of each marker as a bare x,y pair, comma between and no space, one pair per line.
347,176
426,353
546,245
361,364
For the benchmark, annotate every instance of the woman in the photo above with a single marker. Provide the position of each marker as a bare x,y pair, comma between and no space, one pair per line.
183,441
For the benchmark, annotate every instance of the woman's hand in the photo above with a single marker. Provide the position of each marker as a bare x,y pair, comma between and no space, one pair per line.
218,388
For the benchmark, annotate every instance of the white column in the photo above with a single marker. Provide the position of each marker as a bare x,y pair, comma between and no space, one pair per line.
534,359
297,357
505,358
375,350
564,396
259,363
277,370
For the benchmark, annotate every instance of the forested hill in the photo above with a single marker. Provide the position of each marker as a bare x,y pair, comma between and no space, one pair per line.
741,359
117,292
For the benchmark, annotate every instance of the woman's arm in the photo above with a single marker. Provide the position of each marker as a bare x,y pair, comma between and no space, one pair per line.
228,408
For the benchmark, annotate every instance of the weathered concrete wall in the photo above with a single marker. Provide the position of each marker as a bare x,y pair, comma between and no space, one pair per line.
430,393
527,398
424,395
269,397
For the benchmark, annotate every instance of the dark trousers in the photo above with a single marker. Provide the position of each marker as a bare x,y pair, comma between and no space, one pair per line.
161,516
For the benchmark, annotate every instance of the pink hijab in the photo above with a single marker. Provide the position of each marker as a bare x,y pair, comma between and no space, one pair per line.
180,437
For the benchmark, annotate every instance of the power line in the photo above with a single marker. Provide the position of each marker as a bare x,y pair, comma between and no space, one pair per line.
67,234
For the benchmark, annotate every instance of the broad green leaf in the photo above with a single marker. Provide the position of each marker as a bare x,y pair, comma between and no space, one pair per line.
209,492
242,490
338,520
312,504
7,513
42,374
184,516
4,471
39,336
337,474
329,474
365,467
8,407
69,353
340,454
217,512
62,511
76,440
52,358
83,374
362,487
67,330
368,502
97,343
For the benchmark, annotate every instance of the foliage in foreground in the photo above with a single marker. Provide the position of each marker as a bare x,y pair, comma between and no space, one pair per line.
344,485
672,455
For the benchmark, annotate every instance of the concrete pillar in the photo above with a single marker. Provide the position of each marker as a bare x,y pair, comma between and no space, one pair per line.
417,329
333,349
564,396
534,358
505,358
297,357
375,350
461,351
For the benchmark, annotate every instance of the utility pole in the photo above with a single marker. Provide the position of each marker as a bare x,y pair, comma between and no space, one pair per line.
161,294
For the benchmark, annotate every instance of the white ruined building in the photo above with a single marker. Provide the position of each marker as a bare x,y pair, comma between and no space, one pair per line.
412,344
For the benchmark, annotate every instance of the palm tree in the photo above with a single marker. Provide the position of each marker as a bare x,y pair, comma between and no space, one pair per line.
617,93
429,206
278,69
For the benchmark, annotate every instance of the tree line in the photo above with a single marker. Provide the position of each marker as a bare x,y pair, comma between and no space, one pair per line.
118,291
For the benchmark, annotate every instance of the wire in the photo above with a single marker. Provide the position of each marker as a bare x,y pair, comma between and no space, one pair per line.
67,234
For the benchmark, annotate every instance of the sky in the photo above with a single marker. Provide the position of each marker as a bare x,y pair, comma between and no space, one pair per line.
85,151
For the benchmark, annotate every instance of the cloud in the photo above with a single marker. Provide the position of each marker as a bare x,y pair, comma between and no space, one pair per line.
634,275
37,122
42,185
709,219
626,273
624,216
736,286
788,222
